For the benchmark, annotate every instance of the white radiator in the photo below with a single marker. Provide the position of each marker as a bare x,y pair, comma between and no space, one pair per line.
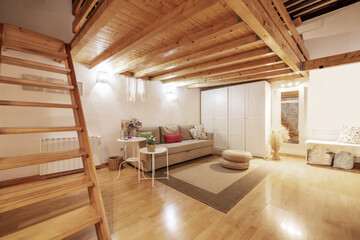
59,144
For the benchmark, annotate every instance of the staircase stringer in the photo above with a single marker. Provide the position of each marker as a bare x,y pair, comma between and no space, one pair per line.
102,228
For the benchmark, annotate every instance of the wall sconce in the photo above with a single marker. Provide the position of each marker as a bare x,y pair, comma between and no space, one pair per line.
102,77
170,91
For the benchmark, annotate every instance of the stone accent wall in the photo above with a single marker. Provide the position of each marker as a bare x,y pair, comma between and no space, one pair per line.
290,119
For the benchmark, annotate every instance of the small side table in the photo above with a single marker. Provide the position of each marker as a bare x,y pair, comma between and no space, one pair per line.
157,151
135,157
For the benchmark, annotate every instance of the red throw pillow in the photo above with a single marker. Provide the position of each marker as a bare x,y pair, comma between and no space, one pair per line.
172,138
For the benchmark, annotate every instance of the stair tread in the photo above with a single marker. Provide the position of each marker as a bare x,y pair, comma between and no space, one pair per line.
36,104
20,195
32,83
34,49
32,64
59,227
22,130
38,158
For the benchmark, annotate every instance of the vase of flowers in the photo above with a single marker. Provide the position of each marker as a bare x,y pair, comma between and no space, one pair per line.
151,144
133,126
277,138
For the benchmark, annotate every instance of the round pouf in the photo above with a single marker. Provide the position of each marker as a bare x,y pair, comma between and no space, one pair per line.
238,156
234,165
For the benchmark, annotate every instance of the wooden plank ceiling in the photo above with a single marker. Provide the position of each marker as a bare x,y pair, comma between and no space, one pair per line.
308,9
192,43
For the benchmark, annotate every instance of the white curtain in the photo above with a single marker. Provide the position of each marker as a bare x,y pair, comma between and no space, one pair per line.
135,87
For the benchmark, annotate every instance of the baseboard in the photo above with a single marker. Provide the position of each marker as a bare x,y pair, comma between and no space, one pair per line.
292,155
357,165
21,180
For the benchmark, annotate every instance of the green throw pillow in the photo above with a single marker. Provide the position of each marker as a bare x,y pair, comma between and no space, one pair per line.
144,134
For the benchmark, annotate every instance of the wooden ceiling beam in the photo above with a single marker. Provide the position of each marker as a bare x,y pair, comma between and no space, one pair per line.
299,5
332,61
249,72
312,7
326,9
285,78
212,32
104,12
291,26
297,22
181,13
273,14
291,2
227,69
270,68
76,6
186,61
82,14
254,14
237,58
255,77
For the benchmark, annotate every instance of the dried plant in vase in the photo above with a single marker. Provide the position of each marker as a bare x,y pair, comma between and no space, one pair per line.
278,137
151,144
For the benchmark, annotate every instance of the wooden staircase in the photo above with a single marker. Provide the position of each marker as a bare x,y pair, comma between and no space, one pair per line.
13,197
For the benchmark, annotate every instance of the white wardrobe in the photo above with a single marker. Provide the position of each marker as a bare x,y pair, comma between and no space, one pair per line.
239,116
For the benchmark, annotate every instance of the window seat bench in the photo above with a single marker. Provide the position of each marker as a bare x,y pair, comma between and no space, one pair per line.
334,147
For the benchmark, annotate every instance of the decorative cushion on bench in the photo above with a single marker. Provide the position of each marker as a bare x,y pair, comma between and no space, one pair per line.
237,156
320,156
344,160
349,135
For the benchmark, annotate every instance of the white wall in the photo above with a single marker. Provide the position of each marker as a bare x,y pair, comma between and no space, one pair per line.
333,92
333,100
50,17
105,105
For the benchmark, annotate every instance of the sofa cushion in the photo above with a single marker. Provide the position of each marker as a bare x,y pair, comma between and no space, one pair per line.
185,132
172,138
155,132
167,130
186,145
199,133
144,134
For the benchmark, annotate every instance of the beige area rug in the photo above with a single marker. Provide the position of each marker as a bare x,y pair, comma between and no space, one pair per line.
207,181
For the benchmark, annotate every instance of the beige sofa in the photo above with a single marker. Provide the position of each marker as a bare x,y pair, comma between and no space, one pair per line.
182,151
